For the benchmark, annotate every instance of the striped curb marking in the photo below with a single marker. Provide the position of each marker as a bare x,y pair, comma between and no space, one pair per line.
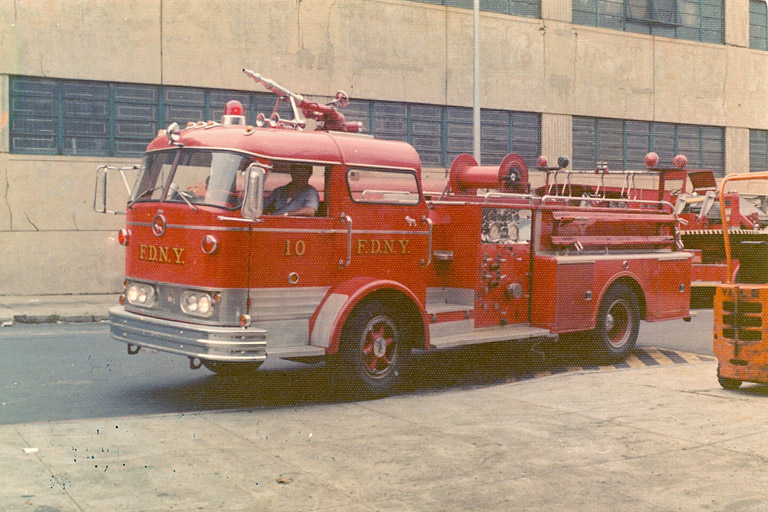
641,357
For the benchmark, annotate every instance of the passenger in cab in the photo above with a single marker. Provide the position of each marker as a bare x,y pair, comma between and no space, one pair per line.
297,198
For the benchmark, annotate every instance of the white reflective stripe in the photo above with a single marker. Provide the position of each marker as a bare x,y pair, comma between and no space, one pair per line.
321,333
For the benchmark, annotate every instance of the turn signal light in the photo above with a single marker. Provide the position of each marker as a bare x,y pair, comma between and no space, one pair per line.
122,237
209,244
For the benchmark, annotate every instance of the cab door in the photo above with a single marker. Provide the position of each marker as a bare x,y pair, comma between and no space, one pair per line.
292,261
387,230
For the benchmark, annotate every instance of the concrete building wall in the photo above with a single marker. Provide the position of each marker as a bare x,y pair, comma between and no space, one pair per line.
52,242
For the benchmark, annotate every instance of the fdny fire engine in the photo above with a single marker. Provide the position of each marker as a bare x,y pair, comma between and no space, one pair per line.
367,267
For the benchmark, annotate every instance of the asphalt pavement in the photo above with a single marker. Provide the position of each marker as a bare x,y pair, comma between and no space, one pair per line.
56,308
644,436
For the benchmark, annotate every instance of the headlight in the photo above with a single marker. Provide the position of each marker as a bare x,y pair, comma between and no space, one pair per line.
139,294
197,303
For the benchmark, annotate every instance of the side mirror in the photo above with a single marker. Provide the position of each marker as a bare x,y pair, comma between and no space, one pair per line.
253,200
101,190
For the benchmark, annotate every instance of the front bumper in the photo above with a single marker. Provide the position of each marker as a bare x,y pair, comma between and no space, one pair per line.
207,343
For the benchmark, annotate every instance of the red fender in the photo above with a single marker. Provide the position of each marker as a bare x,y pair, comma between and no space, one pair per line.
328,319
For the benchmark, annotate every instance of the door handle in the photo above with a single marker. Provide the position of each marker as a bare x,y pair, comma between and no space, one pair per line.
342,263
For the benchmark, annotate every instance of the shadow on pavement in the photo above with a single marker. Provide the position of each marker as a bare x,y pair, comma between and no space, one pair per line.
466,367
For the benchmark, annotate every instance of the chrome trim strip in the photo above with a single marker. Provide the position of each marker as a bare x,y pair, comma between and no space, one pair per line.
197,228
273,159
340,231
285,230
294,230
591,258
257,155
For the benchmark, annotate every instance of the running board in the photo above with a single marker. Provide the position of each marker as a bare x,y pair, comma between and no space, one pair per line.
295,351
489,335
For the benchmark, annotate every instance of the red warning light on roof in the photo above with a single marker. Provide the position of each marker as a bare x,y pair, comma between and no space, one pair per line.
233,108
651,159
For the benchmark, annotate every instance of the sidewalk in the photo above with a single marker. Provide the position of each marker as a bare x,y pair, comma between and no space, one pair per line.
660,438
36,309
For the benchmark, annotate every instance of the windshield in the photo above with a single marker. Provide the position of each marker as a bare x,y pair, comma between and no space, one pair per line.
206,177
153,173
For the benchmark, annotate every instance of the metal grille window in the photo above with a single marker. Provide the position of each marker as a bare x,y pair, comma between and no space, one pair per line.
758,24
58,117
68,117
136,118
695,20
758,150
426,133
661,12
623,144
440,133
34,123
501,132
528,8
390,120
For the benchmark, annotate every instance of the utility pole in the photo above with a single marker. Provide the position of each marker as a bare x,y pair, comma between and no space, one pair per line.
476,86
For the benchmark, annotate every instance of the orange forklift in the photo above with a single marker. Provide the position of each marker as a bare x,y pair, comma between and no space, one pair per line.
740,308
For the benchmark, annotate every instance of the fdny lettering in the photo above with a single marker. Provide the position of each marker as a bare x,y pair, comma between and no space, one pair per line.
161,254
753,293
375,246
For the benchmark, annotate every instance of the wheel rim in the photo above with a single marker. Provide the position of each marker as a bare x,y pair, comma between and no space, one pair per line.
618,324
378,347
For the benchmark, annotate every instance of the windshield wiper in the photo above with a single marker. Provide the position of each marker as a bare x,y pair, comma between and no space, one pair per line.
148,191
174,188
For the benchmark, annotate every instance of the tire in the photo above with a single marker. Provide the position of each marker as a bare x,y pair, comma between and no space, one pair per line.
232,369
726,383
617,325
374,350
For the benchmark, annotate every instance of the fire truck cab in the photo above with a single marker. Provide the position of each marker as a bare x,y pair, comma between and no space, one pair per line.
379,268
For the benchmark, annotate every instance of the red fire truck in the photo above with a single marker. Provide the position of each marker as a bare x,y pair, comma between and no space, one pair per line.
379,269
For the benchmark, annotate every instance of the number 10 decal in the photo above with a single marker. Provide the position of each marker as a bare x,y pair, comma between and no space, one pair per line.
296,248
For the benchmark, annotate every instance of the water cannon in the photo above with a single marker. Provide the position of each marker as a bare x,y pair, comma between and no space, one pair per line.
328,117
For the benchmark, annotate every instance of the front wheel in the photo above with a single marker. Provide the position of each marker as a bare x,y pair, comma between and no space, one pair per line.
727,383
374,350
617,326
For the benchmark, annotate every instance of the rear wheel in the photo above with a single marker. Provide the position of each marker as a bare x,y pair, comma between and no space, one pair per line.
617,325
374,351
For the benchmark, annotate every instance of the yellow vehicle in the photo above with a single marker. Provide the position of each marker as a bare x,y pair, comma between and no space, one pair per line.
740,305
